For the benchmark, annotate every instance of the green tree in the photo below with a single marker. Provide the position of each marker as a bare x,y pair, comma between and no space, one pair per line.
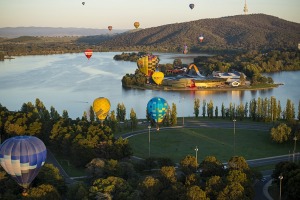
44,191
113,186
223,111
214,186
92,114
188,165
65,114
211,166
281,133
203,107
233,191
150,187
121,112
133,119
210,109
173,118
196,107
238,163
290,111
196,193
216,112
77,191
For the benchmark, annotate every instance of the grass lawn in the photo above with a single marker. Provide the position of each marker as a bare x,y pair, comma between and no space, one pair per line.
177,143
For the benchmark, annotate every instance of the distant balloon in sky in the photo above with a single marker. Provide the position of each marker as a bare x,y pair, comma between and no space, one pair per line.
201,38
109,28
191,6
88,53
101,107
185,49
157,108
158,77
83,3
136,24
22,157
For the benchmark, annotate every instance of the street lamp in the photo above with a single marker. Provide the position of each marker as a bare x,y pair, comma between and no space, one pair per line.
280,179
234,120
295,139
149,127
196,149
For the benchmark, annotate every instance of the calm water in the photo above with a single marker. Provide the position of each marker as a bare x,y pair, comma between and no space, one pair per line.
71,82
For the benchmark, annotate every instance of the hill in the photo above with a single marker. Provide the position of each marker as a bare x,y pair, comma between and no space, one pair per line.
242,32
13,32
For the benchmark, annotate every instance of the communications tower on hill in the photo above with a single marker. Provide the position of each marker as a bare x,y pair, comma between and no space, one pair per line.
245,8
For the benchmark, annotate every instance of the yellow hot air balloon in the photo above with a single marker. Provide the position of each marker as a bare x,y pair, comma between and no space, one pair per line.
136,24
158,77
147,64
101,107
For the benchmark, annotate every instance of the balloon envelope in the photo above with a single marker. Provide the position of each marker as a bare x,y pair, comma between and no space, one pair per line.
158,77
191,6
185,49
157,109
83,3
101,107
201,38
22,157
136,24
88,53
147,64
109,28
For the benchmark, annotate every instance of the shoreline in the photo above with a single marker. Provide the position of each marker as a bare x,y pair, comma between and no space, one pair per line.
166,88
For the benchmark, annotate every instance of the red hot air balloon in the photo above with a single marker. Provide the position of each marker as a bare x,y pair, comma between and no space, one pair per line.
88,53
201,38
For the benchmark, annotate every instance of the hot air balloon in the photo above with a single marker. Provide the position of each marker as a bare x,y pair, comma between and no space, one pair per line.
158,77
147,64
109,28
136,24
157,109
83,3
88,53
185,49
101,107
201,38
191,6
22,157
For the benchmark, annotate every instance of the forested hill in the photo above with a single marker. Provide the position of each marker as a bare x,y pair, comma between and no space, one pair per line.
255,31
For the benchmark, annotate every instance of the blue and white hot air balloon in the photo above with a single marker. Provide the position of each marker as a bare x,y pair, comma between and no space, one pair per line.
157,108
22,157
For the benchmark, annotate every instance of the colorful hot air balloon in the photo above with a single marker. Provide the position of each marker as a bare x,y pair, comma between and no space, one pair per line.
158,77
109,28
22,157
136,24
201,38
191,6
101,107
157,108
83,3
88,53
147,64
185,49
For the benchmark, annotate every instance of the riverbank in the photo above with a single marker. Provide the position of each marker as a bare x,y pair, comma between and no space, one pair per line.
225,88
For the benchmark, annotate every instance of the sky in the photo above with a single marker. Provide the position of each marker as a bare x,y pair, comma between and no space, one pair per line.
121,14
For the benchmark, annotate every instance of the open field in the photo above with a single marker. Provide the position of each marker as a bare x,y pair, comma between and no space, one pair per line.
177,143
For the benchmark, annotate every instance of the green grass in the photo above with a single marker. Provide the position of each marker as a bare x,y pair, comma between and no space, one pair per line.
177,143
71,170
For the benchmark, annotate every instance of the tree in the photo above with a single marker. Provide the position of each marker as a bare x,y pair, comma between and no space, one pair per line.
115,187
195,193
233,191
216,112
211,166
281,133
196,107
203,107
121,112
78,191
238,162
188,164
298,111
210,109
65,114
214,185
150,188
289,111
236,176
223,111
168,175
44,191
92,114
173,117
133,119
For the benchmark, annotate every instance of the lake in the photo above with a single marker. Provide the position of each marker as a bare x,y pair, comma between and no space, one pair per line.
71,82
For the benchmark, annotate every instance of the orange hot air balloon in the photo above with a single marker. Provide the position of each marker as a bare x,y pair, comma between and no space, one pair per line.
158,77
88,53
109,28
136,24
